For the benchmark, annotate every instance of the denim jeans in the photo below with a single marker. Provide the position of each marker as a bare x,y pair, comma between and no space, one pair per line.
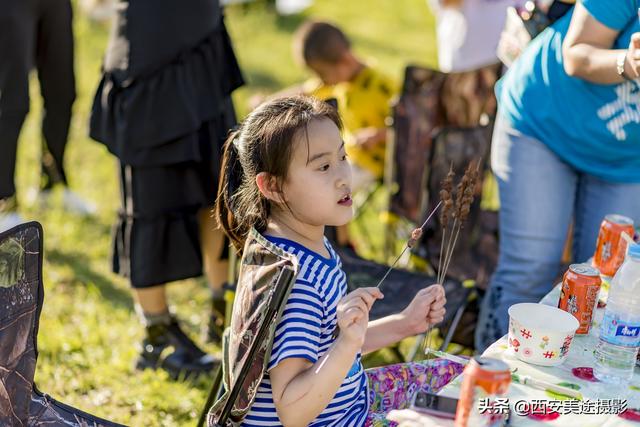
540,195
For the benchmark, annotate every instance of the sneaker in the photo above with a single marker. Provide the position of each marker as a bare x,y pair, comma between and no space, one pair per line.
98,10
76,204
71,202
9,220
292,7
167,347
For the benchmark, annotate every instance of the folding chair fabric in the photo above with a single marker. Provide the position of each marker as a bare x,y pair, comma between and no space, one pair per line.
262,265
21,299
431,100
436,124
476,251
415,116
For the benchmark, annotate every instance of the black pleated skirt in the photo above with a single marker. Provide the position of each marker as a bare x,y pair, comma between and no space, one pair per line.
164,110
157,235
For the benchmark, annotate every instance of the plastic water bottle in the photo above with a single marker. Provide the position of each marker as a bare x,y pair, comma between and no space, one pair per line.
617,348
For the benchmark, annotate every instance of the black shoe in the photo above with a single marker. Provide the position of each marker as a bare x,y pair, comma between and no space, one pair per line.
215,329
168,347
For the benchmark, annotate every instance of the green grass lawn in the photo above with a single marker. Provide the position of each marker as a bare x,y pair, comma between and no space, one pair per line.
89,331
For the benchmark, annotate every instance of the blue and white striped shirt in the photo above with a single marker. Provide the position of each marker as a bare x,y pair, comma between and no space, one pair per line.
305,331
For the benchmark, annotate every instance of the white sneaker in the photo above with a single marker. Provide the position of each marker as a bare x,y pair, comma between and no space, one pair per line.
9,220
291,7
71,202
98,10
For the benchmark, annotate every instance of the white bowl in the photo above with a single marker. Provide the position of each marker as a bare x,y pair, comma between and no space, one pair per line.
540,334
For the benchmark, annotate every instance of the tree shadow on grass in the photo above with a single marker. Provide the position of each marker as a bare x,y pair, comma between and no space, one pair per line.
79,263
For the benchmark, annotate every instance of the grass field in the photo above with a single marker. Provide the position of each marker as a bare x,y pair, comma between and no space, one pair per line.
89,330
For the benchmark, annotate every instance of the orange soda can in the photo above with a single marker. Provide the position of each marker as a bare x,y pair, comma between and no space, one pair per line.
611,247
579,294
484,380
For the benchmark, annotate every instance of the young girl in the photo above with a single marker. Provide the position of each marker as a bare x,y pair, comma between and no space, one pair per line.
285,177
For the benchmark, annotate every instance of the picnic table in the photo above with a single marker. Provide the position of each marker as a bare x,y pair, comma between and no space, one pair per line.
601,402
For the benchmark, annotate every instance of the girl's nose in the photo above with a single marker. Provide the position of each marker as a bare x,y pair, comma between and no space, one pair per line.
344,175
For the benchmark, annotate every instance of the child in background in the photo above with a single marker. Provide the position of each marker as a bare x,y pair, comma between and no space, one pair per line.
363,94
285,177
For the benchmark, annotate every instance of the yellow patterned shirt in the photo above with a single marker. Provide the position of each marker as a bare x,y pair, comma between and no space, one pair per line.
363,102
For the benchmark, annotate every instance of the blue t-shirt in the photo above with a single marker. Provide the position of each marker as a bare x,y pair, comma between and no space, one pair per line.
306,331
593,127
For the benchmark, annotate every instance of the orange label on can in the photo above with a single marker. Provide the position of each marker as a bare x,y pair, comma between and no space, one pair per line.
611,247
579,294
483,378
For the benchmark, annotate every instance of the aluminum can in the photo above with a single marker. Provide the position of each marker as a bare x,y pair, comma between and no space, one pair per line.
579,294
611,247
482,396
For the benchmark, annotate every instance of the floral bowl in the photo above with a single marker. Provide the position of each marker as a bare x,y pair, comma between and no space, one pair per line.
540,334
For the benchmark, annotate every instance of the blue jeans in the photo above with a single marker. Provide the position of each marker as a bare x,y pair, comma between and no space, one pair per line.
540,195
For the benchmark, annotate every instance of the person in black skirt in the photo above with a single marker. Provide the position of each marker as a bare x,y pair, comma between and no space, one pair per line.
163,108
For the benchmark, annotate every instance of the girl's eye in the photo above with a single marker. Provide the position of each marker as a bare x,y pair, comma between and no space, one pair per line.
324,168
344,157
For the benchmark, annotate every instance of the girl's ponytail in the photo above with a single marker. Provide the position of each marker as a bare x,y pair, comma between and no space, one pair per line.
231,179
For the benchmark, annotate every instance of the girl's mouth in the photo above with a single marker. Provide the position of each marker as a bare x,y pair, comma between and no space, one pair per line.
346,200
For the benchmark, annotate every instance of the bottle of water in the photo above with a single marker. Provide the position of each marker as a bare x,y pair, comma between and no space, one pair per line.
617,348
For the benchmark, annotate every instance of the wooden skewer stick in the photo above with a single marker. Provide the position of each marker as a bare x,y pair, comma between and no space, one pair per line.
464,199
407,247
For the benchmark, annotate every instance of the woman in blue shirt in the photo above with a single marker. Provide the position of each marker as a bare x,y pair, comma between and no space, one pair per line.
566,148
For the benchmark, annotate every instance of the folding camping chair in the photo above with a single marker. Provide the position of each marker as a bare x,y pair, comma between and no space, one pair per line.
21,299
437,125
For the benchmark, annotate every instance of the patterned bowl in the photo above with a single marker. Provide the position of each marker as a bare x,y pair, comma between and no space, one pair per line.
540,334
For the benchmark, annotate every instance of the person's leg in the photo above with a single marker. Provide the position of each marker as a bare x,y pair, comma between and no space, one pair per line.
17,25
144,261
597,198
152,300
54,60
216,268
537,193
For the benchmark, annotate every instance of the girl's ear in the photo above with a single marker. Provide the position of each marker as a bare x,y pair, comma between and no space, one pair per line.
268,186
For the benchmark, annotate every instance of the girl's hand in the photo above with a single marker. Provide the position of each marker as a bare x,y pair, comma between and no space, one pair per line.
632,63
353,314
426,309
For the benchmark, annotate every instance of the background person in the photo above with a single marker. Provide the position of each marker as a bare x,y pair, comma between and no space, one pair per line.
566,146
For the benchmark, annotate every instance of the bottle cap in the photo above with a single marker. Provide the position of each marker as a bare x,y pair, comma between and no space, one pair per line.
634,250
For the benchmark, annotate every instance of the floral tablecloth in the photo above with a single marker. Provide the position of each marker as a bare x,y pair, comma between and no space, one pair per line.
601,402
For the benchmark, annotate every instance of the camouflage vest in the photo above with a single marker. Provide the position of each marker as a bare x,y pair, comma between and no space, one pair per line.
261,266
